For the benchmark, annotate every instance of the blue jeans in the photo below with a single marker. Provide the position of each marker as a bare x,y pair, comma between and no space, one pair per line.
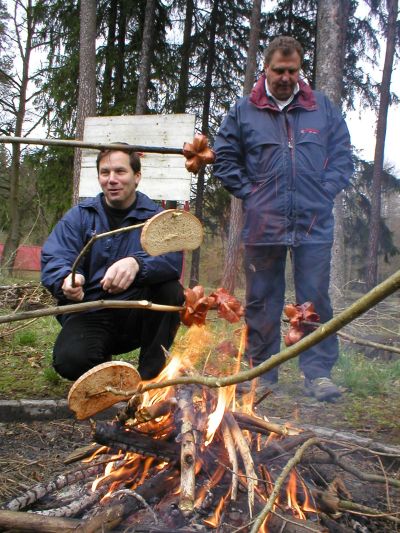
265,294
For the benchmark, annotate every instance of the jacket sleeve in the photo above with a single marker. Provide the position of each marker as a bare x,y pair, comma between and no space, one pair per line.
229,163
157,269
60,251
339,164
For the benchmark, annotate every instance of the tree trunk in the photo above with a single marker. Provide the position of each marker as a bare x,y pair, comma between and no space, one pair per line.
120,59
331,42
195,266
109,57
145,58
372,262
235,220
13,237
87,81
181,99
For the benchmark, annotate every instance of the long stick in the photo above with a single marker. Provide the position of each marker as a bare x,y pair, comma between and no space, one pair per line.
86,306
360,306
94,146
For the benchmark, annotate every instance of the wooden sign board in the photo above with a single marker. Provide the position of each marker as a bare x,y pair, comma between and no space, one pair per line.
164,177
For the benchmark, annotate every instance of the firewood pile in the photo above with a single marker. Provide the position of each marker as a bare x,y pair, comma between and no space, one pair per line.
190,458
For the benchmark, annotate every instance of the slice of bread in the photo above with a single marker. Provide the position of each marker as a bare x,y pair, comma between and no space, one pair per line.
88,396
172,230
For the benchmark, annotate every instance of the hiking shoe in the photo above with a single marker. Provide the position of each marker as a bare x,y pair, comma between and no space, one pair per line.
323,389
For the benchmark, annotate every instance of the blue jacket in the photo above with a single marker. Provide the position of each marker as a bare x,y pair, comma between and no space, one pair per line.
287,166
75,229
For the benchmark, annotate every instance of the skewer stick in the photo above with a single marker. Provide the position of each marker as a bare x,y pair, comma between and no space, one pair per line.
72,143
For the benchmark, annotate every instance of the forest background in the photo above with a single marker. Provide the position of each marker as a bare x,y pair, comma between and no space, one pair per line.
119,57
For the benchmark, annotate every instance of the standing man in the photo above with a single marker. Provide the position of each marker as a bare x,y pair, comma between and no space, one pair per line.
285,151
116,267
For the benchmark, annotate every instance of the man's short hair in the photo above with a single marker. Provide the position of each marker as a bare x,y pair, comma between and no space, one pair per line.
286,45
134,158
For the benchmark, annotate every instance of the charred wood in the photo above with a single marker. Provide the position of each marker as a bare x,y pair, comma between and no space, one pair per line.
118,437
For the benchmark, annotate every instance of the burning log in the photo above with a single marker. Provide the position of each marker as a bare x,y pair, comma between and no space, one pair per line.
118,437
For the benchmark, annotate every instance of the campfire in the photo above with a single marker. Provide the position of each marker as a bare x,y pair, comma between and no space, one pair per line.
187,457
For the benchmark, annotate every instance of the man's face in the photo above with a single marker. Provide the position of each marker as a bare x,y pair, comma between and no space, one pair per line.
117,180
282,74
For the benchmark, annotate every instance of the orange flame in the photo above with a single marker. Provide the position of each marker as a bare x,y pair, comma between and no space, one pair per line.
291,492
213,521
225,396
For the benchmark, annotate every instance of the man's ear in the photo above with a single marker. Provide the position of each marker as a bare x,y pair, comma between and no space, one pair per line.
138,177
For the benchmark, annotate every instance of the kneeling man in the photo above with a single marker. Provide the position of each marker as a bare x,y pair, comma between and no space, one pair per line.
116,267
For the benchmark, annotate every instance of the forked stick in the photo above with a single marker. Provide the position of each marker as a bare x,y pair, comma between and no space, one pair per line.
171,230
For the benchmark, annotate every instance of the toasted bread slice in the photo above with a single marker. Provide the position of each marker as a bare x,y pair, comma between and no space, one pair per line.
88,396
172,230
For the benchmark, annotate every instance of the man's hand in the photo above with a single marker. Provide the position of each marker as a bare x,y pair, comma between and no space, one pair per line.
76,293
120,275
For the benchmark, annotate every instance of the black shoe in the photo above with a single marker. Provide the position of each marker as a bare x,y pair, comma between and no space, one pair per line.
323,389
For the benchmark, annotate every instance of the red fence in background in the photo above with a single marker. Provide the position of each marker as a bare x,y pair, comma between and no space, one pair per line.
27,258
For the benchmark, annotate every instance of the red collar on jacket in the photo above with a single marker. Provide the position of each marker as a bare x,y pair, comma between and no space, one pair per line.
304,98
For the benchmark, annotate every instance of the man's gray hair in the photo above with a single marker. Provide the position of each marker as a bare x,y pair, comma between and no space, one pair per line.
286,45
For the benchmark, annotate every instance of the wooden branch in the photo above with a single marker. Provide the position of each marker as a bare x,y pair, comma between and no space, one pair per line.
78,504
13,520
246,456
95,238
356,471
38,491
70,143
85,306
279,482
188,452
348,506
283,430
230,448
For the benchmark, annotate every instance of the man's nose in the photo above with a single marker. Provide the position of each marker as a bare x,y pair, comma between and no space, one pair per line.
112,177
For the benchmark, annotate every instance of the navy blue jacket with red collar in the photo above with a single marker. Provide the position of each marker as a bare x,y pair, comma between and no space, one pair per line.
286,165
76,228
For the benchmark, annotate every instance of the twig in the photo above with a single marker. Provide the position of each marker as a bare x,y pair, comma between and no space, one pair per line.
279,482
356,471
355,508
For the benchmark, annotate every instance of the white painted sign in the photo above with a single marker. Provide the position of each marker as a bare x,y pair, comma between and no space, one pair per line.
164,177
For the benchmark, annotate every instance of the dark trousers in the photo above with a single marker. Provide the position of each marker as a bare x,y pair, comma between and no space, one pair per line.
88,339
265,293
